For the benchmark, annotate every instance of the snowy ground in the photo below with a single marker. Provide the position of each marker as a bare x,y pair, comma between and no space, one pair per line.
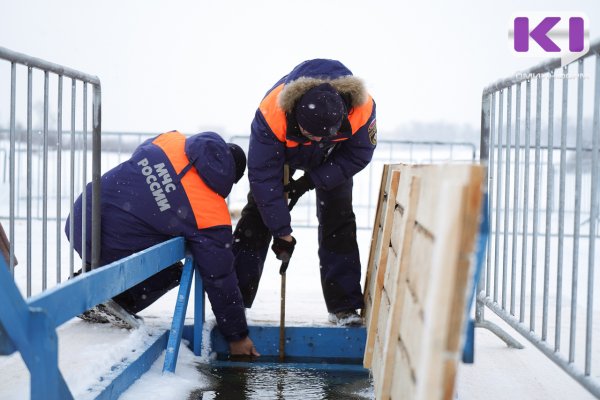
503,373
88,351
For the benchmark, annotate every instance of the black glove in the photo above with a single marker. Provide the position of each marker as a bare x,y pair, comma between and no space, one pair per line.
283,249
296,188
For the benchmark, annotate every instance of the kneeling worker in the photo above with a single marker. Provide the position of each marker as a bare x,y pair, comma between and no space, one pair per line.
172,186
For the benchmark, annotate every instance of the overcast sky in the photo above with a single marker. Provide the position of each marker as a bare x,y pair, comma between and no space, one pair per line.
195,65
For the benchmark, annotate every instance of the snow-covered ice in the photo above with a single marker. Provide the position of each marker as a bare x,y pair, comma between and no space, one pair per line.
88,351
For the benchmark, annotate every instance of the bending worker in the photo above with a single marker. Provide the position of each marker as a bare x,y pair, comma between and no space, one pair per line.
319,119
171,186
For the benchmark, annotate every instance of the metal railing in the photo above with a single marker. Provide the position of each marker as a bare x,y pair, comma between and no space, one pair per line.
118,147
543,192
29,325
31,156
368,180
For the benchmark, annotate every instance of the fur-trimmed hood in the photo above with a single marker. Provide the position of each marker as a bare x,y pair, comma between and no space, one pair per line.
312,73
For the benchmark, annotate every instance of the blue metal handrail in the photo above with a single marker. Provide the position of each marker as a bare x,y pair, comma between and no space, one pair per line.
30,326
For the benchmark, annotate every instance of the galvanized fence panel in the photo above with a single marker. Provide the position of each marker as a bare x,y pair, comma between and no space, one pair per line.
540,137
41,158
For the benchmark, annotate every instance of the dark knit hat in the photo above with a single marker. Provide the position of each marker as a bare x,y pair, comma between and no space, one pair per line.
239,158
321,111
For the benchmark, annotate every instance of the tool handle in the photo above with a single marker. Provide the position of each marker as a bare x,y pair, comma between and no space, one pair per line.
283,268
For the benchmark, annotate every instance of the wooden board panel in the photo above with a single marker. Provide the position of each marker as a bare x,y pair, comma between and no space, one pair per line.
464,279
403,379
376,368
422,285
409,192
442,300
379,353
379,350
377,220
384,312
391,273
441,285
419,268
402,208
367,311
434,178
397,236
370,289
381,262
379,345
449,378
412,328
375,239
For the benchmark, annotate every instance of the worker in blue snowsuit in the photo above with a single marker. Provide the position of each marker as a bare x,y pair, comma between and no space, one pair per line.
319,119
171,186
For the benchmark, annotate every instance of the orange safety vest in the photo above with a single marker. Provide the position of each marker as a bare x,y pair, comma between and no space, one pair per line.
209,208
275,116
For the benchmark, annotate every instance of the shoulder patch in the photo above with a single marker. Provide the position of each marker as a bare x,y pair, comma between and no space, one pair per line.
372,130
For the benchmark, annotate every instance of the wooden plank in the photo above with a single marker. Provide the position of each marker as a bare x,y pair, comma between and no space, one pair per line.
403,378
381,262
379,355
464,278
471,219
367,310
411,328
449,378
434,178
387,230
402,209
397,236
5,248
371,289
378,350
372,282
376,224
433,373
391,272
376,368
441,284
408,192
419,268
384,311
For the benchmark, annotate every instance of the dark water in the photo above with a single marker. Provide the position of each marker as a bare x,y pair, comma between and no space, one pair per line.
279,381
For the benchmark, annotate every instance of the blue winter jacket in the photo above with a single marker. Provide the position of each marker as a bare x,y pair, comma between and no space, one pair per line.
276,139
173,186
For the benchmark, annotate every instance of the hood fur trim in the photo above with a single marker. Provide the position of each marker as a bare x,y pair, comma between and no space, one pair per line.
350,85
